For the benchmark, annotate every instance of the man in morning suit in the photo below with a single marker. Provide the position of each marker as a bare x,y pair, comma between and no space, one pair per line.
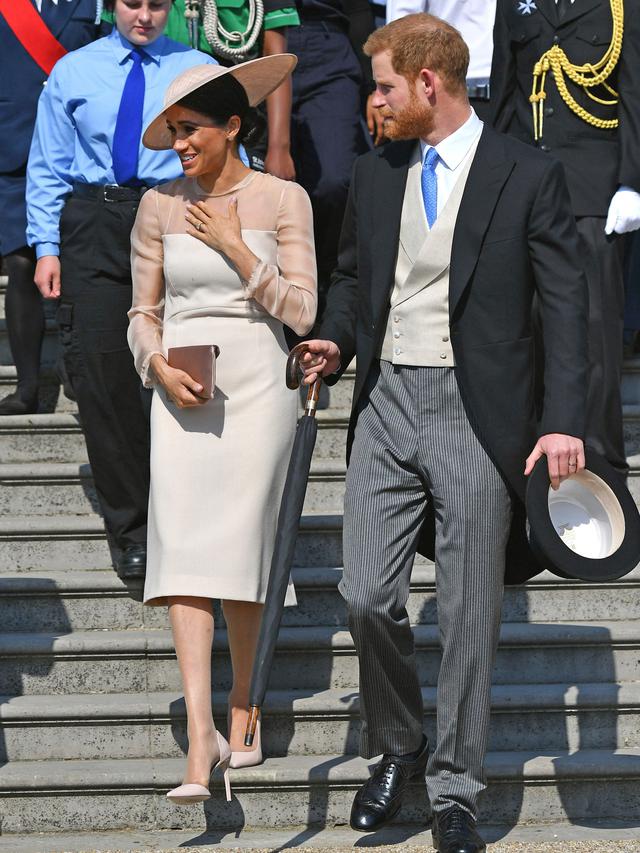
25,62
448,233
592,127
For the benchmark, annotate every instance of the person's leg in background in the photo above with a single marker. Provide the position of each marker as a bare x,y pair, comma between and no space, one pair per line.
632,295
327,131
96,295
603,266
24,309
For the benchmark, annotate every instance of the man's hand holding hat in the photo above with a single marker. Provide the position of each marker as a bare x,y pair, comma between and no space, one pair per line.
565,456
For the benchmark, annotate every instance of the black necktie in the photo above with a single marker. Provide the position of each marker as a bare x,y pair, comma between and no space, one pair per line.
563,8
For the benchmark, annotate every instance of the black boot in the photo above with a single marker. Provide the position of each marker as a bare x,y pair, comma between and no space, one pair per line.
454,831
15,404
380,799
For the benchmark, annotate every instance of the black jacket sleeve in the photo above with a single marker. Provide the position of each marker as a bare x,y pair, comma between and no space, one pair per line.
340,317
561,286
503,72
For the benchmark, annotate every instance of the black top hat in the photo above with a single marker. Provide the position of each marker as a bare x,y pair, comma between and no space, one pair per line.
589,528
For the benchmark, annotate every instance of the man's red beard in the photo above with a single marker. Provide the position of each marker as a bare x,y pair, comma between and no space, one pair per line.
415,121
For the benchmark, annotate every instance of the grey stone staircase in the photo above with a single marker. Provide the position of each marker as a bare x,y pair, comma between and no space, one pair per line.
92,724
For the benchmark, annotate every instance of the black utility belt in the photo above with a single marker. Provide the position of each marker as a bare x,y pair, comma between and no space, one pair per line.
479,88
108,192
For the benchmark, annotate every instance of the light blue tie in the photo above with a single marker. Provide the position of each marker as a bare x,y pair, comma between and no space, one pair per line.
429,183
126,138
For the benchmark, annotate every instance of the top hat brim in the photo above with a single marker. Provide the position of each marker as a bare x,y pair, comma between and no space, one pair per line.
548,546
258,77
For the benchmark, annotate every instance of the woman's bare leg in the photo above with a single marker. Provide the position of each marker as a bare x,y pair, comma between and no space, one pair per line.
192,625
243,625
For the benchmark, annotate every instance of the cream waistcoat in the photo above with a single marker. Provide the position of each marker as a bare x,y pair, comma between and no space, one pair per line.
418,324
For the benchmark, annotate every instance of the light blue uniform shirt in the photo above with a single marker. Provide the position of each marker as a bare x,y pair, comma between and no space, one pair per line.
76,121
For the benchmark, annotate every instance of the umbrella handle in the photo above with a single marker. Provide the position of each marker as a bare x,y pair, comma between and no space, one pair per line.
293,379
252,722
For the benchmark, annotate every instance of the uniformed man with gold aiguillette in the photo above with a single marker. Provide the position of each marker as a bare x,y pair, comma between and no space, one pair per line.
566,77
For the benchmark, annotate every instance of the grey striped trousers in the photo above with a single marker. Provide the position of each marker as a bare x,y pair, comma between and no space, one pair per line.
414,442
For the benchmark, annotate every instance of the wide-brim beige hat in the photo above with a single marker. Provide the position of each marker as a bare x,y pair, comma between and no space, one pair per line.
258,77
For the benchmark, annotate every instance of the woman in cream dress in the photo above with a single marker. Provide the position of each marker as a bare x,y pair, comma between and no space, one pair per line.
223,256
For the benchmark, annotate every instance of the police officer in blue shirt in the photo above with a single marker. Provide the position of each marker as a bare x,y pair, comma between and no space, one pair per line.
25,64
87,171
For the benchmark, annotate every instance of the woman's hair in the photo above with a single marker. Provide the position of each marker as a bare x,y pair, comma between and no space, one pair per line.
423,41
220,99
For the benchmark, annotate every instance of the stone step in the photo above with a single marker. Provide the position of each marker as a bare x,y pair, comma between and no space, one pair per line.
524,787
72,600
53,543
49,488
297,722
560,836
57,437
317,657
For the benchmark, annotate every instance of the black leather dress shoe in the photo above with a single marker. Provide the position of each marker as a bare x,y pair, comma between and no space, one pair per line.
133,562
14,404
380,799
454,831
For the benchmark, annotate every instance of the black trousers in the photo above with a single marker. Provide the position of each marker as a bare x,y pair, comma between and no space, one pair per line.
96,295
327,132
604,267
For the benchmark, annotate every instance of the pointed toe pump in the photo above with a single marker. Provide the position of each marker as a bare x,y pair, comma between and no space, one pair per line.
191,792
249,757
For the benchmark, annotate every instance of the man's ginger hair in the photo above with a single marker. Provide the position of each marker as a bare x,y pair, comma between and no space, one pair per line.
423,41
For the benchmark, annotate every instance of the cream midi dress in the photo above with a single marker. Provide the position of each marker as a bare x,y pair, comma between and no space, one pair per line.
218,470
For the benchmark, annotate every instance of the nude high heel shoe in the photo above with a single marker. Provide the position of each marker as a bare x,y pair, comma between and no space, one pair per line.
250,757
191,792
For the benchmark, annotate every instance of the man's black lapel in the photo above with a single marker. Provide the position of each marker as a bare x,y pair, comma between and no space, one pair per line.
63,13
578,9
389,181
548,8
488,174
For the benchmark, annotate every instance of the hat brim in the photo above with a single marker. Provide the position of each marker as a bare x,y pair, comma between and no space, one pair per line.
558,557
258,77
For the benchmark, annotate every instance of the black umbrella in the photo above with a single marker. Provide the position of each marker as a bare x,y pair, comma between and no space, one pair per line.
286,533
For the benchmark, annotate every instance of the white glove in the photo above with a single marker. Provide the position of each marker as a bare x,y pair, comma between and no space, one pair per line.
624,212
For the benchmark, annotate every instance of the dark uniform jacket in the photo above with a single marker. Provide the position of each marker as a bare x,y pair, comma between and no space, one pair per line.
596,160
515,235
73,23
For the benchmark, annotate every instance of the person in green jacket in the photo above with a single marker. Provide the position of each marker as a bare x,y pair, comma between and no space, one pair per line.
235,31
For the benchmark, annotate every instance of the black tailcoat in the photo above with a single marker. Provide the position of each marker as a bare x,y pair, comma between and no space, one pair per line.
515,236
596,160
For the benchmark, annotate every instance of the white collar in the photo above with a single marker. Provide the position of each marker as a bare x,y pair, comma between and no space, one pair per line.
455,147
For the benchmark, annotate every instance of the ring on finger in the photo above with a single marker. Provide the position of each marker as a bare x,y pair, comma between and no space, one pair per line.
199,226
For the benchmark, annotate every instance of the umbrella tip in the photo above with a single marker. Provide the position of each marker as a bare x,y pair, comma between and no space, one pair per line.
252,722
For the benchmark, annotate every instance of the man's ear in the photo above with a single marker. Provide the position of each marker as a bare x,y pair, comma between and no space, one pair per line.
427,82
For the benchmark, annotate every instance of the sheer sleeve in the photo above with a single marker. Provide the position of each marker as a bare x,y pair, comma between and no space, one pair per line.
146,314
288,291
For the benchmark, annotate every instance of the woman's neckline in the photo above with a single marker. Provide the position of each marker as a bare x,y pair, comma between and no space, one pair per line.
240,185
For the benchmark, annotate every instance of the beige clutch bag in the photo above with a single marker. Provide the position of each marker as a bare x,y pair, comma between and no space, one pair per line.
199,362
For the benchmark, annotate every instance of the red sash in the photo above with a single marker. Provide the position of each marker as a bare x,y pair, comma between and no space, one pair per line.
32,33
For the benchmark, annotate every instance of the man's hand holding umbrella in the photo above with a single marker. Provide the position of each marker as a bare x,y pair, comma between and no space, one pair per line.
321,359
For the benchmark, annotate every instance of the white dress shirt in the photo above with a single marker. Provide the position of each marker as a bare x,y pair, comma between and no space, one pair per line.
474,19
453,153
